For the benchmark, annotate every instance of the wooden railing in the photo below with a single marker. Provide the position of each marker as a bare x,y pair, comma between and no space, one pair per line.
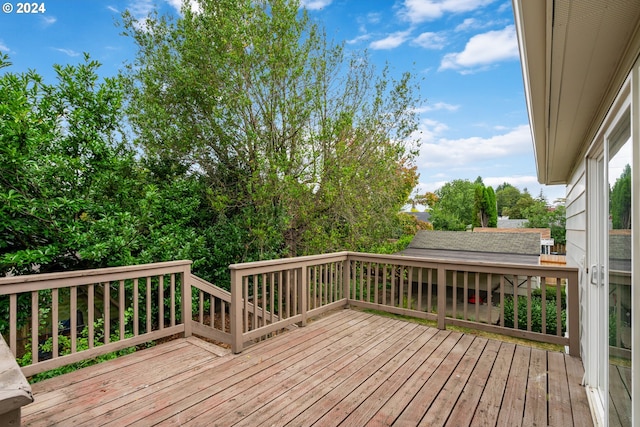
510,299
61,318
269,296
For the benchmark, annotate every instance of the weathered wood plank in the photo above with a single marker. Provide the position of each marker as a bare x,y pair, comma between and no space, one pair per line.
390,411
422,400
441,408
384,354
490,402
227,380
313,387
465,407
348,368
512,408
363,413
559,398
535,408
357,358
353,399
579,405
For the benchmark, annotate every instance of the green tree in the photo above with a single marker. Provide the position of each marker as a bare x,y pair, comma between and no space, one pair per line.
484,206
63,163
506,198
540,215
454,208
303,148
621,200
517,211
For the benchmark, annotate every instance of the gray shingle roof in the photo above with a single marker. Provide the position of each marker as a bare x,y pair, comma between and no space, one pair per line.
506,243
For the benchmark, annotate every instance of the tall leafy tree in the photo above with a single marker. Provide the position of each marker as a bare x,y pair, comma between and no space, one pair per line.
63,164
485,213
507,196
454,207
304,148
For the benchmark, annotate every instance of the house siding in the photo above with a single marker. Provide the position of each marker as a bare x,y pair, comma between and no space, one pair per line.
577,240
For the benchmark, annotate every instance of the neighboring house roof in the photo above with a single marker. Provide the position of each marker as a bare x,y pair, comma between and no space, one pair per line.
544,233
511,223
521,248
421,216
620,250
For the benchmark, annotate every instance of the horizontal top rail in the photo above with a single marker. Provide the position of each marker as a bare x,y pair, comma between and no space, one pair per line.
277,264
211,288
462,265
9,285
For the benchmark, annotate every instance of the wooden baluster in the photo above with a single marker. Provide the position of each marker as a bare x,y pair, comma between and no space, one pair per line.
73,318
529,305
454,302
420,289
136,309
121,309
280,295
201,307
465,293
91,313
272,296
106,308
489,303
172,291
515,300
55,322
477,291
34,326
161,302
13,323
148,304
384,284
543,287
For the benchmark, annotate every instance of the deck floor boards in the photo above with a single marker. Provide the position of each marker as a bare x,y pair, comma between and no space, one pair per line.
348,368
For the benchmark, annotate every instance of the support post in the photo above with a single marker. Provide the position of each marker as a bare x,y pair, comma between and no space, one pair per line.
346,279
236,312
187,314
573,314
303,291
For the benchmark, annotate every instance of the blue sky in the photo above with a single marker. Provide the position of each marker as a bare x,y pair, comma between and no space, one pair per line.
473,121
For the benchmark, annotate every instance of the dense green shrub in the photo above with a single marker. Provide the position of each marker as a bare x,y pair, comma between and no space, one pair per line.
536,314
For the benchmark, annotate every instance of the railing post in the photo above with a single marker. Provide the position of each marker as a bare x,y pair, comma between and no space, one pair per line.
573,314
236,312
187,313
442,296
346,279
303,290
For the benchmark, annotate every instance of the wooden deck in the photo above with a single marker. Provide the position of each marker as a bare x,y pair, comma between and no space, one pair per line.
349,368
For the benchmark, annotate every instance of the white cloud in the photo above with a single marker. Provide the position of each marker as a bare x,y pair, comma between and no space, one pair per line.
113,9
360,38
68,52
437,106
467,24
391,41
484,49
48,20
140,9
177,5
417,11
430,40
4,47
315,4
454,153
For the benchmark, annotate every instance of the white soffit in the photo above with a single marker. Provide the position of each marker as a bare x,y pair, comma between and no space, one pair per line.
578,55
